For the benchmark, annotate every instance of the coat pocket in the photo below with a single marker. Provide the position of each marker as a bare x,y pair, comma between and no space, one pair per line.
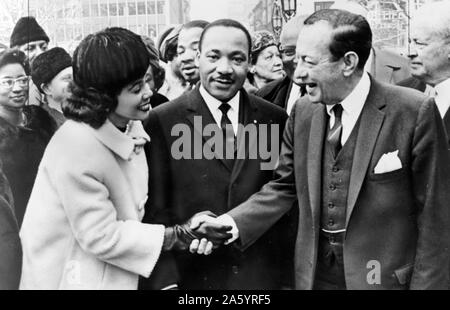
388,176
404,273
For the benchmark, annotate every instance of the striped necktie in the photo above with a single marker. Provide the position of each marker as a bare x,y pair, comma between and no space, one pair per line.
335,133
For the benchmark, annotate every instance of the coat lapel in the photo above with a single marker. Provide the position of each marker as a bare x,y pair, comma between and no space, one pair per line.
447,124
372,118
197,107
248,112
314,167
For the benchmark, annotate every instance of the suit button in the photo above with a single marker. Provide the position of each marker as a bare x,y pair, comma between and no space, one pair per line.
331,205
332,187
331,222
335,169
235,269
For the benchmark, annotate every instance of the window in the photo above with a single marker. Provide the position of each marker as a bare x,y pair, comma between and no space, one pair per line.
94,9
321,5
141,8
122,9
150,7
131,8
160,7
85,9
104,9
113,9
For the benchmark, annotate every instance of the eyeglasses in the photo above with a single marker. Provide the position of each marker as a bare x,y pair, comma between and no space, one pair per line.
9,83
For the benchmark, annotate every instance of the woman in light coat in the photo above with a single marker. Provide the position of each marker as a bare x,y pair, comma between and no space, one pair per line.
82,228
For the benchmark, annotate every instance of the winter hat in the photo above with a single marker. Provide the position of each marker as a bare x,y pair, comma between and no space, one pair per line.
48,64
27,30
260,41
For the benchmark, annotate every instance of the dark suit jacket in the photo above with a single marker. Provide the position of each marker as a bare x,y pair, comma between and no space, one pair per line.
180,188
399,219
389,67
414,83
10,247
276,92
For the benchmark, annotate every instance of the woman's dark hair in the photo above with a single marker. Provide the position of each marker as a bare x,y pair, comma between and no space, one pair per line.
103,64
14,56
158,72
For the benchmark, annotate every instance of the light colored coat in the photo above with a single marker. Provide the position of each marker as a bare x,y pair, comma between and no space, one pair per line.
82,228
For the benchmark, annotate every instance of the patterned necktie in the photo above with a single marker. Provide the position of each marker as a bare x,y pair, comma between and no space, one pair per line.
228,135
335,133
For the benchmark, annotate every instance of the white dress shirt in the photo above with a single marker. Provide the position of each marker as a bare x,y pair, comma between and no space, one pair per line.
214,104
442,97
352,107
294,95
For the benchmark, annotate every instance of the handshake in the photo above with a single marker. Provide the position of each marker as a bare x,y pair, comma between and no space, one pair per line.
200,234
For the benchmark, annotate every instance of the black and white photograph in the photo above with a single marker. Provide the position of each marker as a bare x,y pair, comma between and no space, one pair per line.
224,150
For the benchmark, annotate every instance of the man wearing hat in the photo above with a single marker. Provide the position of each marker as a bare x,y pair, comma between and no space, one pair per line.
51,72
174,85
30,38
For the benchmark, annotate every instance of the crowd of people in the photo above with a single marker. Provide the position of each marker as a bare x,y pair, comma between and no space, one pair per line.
130,164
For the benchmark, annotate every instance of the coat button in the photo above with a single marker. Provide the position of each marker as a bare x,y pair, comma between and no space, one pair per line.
235,269
331,205
332,187
331,222
335,169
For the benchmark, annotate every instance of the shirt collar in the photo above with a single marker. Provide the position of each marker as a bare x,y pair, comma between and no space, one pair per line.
442,98
443,88
354,102
123,144
214,103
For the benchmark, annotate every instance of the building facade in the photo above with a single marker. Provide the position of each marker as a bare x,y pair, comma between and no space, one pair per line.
68,21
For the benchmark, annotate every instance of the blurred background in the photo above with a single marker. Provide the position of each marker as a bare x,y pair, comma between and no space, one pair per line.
68,21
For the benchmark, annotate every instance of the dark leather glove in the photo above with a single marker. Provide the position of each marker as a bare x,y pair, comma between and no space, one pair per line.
179,237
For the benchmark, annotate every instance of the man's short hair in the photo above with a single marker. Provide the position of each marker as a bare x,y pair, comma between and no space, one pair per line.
228,23
351,33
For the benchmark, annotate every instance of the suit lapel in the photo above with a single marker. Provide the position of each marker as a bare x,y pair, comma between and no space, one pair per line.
248,114
197,107
314,167
447,124
372,119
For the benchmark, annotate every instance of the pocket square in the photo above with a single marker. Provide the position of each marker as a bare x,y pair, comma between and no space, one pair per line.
388,162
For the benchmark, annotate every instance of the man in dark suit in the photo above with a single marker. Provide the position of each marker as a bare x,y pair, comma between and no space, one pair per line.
430,56
368,164
10,247
284,92
181,184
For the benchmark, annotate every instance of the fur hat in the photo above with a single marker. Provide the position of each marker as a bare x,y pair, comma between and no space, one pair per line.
48,64
27,30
